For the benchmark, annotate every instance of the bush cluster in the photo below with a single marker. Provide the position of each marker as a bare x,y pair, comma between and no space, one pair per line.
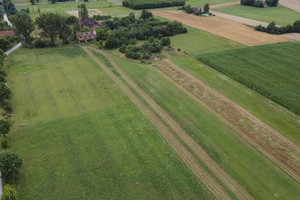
126,30
101,17
199,12
146,4
144,51
259,3
273,29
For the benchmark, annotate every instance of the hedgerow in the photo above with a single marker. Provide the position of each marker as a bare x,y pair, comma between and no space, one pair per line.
273,29
146,4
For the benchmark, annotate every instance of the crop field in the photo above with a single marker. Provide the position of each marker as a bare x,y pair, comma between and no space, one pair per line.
281,15
201,3
271,70
79,136
271,113
223,27
233,155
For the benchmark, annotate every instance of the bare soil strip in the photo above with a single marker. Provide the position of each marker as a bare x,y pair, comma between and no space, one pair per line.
223,27
291,4
225,4
268,141
182,134
242,20
91,12
183,153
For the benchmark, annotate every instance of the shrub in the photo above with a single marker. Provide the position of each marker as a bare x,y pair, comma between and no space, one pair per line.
4,127
4,92
9,193
4,142
166,41
39,43
273,29
146,14
9,166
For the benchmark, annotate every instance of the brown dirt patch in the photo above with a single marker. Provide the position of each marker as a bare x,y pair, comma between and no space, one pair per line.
92,12
291,4
221,5
223,27
265,139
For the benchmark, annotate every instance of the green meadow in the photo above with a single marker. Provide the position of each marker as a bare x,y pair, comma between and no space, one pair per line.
80,137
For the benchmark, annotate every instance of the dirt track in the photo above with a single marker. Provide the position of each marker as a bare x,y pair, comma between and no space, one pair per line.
292,4
265,139
176,145
223,27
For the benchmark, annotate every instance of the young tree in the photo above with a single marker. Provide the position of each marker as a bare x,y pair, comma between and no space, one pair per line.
206,8
23,25
9,166
65,33
50,24
146,14
32,2
9,193
4,127
4,92
83,11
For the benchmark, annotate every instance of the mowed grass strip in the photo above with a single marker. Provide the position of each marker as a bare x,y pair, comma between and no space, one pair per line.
86,140
197,42
271,70
248,167
281,15
269,112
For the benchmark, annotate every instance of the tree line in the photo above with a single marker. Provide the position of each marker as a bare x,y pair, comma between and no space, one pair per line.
259,3
273,29
146,4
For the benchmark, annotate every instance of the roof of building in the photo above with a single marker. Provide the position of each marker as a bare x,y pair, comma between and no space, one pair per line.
8,33
91,23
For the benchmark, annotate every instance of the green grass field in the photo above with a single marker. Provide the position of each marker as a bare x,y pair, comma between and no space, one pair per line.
256,174
271,70
271,113
80,137
281,15
197,42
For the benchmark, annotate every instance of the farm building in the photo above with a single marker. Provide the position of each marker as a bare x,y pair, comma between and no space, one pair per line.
86,36
90,23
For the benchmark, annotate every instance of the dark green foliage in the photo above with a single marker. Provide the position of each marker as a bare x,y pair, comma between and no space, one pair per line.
4,142
259,3
101,17
4,43
9,193
39,43
271,70
9,7
188,9
71,20
273,29
4,26
9,166
272,3
166,41
206,8
146,14
146,4
121,30
4,92
23,25
4,127
83,11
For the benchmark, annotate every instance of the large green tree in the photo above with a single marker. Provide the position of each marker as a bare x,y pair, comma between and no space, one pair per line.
50,24
9,166
83,11
23,25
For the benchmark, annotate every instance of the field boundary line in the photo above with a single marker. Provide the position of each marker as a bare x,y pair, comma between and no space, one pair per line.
243,114
179,148
227,180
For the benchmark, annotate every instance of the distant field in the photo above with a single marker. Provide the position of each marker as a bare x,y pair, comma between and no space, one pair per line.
281,15
197,42
80,137
248,167
271,70
201,3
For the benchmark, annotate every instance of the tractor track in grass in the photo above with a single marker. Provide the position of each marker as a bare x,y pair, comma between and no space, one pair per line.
186,156
265,139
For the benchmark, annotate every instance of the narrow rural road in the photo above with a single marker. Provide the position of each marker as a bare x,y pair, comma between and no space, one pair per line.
184,136
291,4
183,153
268,141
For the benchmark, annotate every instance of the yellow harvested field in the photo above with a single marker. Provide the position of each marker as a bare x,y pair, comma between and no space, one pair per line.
223,27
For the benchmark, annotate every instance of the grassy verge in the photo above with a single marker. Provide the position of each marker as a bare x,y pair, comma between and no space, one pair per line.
197,42
201,3
281,15
80,137
271,70
256,174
